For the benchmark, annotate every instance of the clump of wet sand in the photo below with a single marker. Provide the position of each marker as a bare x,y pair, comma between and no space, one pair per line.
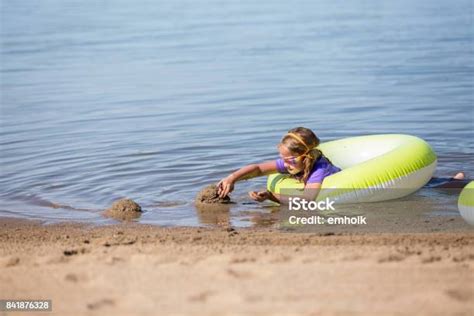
124,209
209,195
207,200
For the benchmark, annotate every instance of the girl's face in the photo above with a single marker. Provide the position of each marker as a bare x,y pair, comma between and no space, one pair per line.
293,163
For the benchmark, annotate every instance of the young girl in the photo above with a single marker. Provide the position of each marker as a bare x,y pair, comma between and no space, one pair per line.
300,158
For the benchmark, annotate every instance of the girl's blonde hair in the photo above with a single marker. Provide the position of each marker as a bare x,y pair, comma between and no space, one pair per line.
302,141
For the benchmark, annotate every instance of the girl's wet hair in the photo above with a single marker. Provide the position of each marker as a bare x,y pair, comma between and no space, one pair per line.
308,149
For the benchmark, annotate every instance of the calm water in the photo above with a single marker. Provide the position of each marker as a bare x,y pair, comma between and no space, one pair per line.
154,100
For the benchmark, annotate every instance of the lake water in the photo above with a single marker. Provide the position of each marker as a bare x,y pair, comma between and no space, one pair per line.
154,100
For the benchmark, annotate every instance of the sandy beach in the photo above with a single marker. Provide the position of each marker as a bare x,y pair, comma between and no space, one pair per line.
130,268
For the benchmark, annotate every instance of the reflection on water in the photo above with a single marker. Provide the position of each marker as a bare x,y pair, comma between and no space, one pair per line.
214,216
153,102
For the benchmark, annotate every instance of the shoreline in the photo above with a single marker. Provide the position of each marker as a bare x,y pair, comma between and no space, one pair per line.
132,268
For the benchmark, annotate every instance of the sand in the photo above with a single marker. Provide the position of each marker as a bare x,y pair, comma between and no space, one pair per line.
124,209
133,269
209,204
208,195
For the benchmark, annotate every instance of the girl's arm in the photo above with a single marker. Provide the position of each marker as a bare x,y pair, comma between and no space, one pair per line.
226,185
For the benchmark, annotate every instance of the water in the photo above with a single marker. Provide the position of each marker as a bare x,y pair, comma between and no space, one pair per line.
154,100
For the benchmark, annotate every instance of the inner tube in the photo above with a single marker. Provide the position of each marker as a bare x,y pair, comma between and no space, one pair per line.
374,168
466,203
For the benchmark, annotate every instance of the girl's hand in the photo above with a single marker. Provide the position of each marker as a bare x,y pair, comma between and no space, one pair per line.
259,196
225,186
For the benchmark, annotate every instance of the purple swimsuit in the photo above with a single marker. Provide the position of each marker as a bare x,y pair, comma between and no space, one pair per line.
321,169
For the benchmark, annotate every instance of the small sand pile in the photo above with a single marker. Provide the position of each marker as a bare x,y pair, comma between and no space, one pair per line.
209,195
124,209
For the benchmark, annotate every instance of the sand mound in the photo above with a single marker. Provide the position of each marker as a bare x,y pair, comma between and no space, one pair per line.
124,209
209,195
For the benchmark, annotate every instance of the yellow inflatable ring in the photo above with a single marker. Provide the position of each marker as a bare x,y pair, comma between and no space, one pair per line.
374,168
466,203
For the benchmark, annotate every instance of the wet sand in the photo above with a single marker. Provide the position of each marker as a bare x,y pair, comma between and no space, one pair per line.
129,269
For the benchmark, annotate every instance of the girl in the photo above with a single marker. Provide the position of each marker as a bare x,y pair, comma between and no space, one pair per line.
300,158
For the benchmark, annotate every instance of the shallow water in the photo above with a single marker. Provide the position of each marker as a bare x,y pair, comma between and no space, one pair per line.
103,100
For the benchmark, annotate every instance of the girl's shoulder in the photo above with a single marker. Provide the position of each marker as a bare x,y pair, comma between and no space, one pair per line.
323,162
321,169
